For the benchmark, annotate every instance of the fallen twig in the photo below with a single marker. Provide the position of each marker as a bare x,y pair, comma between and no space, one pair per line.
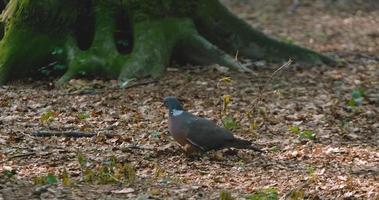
18,156
88,91
262,89
73,134
140,84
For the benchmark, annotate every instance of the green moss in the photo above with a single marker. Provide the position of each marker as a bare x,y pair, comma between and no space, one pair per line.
142,10
192,30
42,15
20,48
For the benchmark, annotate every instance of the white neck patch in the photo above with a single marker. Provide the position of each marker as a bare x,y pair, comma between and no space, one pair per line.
176,112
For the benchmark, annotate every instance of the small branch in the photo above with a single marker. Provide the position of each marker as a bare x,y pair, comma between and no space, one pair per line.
285,65
262,89
18,156
140,84
73,134
93,92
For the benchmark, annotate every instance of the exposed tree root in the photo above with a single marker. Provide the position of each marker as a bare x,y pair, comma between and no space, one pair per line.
199,32
19,49
227,31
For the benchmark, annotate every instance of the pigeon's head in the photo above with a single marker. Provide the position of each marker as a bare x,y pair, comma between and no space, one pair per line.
172,103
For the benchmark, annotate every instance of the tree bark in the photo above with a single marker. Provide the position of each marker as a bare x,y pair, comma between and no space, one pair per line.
130,39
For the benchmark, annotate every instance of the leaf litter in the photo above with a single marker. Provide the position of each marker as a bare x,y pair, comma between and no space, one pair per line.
319,126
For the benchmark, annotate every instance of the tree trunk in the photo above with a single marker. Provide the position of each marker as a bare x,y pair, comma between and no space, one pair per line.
129,39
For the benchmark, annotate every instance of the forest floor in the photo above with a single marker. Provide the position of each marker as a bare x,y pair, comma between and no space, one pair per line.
319,125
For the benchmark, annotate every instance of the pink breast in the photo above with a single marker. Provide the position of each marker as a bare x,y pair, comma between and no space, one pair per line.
176,129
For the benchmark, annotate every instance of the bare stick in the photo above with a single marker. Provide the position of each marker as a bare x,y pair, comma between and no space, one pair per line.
18,156
263,88
73,134
93,92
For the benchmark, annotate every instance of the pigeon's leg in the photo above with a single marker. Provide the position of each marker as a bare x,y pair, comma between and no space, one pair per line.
191,151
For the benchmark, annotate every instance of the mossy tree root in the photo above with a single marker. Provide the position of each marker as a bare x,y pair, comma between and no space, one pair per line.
154,44
188,30
31,35
102,57
229,32
22,48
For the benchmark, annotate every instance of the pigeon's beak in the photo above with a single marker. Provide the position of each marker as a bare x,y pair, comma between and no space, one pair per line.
165,104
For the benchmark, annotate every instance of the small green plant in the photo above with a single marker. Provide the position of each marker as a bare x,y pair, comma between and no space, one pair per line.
264,194
311,170
9,173
357,97
225,79
295,129
297,194
83,161
226,99
109,171
155,134
275,149
306,134
50,179
230,123
48,116
65,177
189,77
83,116
226,195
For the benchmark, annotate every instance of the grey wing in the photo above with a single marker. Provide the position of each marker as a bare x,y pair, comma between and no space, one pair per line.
207,135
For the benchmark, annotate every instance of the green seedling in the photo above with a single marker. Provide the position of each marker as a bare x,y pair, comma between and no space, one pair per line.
226,99
264,194
306,134
295,129
155,134
226,195
9,173
65,177
44,180
357,97
311,170
83,116
48,116
230,123
298,194
106,172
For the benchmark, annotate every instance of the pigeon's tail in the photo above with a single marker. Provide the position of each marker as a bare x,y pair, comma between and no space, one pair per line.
243,144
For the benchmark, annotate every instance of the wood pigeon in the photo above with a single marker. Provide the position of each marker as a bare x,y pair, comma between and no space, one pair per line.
195,133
